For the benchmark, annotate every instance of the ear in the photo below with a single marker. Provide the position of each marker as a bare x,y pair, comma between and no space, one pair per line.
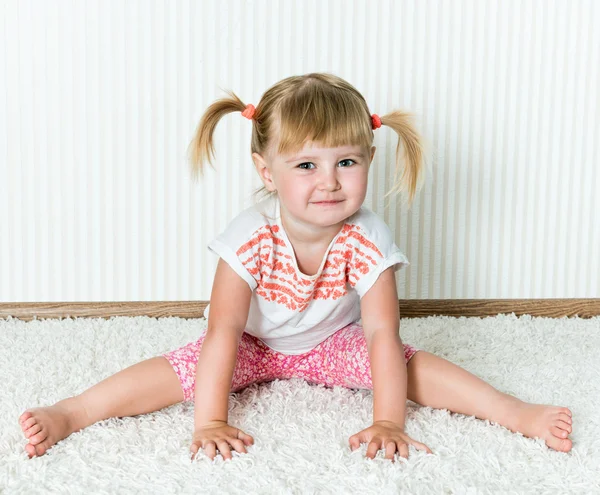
263,171
373,148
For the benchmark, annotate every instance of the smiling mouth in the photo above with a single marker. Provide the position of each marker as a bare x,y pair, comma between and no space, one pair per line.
327,202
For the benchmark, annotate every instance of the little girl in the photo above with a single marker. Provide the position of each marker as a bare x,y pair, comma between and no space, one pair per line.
304,287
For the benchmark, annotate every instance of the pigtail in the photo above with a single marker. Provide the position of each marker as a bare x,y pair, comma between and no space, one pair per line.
201,149
401,122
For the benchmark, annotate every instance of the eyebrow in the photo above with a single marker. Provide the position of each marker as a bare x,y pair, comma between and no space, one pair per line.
307,157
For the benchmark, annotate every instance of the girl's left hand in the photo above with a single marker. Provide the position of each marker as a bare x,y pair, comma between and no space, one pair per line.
385,435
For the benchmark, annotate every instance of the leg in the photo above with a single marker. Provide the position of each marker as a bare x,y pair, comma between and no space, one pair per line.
142,388
438,383
340,360
139,389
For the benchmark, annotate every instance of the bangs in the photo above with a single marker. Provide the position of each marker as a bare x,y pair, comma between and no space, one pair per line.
323,114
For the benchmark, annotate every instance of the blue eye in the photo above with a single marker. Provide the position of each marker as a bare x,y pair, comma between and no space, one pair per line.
310,165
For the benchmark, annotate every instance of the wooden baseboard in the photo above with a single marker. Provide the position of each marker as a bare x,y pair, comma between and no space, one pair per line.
409,308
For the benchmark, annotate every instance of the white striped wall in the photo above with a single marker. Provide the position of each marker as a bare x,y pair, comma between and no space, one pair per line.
99,99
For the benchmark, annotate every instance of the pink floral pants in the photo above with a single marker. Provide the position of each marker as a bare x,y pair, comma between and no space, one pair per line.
341,359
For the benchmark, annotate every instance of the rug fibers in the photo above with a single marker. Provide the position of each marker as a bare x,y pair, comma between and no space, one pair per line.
301,431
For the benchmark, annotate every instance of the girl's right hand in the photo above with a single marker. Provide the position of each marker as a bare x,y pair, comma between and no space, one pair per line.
219,435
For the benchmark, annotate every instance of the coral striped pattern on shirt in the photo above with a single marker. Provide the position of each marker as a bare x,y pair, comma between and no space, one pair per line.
293,312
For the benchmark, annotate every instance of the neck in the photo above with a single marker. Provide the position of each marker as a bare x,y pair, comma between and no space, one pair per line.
301,233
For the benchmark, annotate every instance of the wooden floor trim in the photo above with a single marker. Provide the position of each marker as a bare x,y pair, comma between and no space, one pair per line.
409,308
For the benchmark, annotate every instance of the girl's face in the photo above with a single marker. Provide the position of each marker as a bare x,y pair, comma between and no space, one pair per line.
317,187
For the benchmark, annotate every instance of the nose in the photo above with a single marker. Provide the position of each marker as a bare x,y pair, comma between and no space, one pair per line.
328,181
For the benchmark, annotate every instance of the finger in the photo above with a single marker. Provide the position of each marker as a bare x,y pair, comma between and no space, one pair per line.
373,448
247,439
415,444
390,449
210,449
403,450
194,450
224,449
421,446
238,445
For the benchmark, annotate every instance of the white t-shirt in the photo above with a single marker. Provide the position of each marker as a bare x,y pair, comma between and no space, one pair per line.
292,312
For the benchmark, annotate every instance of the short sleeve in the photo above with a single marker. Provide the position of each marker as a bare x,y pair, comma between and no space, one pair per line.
374,250
239,246
228,255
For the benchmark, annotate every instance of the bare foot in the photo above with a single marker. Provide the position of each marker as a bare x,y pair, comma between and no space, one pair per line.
553,424
44,426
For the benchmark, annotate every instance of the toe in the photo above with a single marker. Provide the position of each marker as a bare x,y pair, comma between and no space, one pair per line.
28,423
561,445
38,438
566,411
41,448
565,445
565,417
36,428
564,426
30,449
25,416
557,432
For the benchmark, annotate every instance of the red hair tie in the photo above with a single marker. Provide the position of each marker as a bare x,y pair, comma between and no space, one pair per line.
249,111
375,121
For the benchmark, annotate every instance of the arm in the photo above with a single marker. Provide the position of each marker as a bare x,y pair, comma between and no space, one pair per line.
229,306
381,322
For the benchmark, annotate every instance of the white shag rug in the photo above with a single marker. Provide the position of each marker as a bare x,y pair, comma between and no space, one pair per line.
301,431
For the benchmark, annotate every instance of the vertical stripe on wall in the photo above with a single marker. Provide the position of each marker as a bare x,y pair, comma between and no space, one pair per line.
100,99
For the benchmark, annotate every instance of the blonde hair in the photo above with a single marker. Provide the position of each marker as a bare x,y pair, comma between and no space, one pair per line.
319,107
